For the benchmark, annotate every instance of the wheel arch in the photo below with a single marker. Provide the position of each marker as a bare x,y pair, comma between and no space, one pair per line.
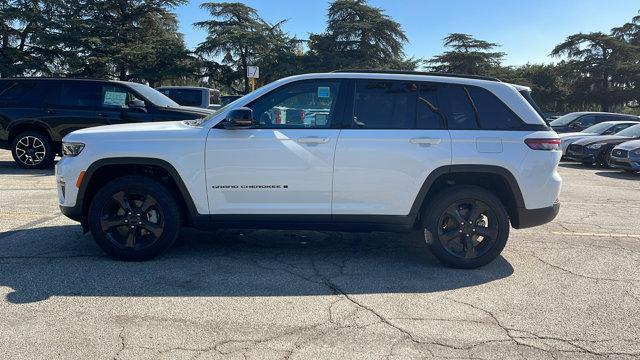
104,170
18,127
498,180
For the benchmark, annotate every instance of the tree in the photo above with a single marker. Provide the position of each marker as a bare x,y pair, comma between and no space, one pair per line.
123,39
359,36
242,38
468,55
598,63
22,24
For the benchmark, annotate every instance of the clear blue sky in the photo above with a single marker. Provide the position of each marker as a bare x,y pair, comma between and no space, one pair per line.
527,29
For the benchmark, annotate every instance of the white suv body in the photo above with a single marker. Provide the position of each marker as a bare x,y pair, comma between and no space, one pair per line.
393,142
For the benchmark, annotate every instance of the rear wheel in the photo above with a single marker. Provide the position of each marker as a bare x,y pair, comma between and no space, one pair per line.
467,226
134,218
32,150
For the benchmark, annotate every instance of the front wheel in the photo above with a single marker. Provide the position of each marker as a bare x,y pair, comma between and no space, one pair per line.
134,218
467,225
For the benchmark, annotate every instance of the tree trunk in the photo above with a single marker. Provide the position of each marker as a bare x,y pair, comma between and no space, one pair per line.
122,72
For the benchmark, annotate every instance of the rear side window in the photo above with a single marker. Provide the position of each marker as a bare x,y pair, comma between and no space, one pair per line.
456,107
20,93
385,105
493,114
77,94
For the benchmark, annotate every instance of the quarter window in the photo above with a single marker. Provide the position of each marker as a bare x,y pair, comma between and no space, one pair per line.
384,105
304,104
79,94
21,93
493,114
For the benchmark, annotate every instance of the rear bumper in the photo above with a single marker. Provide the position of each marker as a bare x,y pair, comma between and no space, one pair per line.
533,217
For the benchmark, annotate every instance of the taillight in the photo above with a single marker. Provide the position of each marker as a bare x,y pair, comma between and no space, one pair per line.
543,144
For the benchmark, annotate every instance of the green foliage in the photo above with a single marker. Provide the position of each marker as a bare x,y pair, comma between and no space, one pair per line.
359,36
467,56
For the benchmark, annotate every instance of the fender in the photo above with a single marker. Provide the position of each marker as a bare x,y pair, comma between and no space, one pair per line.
35,123
78,209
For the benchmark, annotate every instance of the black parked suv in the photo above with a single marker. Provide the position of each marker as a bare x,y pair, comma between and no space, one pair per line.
578,121
36,113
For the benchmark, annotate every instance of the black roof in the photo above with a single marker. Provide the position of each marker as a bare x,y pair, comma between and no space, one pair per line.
409,72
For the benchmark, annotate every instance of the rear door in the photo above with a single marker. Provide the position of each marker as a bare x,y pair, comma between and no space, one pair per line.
71,105
394,139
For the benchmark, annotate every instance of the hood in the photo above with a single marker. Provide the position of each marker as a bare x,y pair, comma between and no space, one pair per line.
132,130
629,145
607,139
200,112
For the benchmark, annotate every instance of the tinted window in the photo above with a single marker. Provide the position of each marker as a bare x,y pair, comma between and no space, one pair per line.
304,104
115,96
385,105
493,114
620,127
184,97
455,105
428,112
76,94
587,121
21,93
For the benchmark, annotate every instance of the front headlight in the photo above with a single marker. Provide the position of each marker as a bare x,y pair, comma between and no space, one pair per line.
72,149
595,146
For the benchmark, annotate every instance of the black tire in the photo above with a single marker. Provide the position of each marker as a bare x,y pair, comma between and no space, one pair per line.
32,150
444,230
149,226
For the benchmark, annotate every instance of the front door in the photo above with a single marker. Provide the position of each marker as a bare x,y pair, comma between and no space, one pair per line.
284,163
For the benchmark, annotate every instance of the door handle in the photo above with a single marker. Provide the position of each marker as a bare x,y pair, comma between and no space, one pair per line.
313,140
51,112
425,140
102,115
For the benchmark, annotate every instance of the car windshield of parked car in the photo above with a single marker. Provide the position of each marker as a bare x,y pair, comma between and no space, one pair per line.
154,96
564,120
597,128
633,131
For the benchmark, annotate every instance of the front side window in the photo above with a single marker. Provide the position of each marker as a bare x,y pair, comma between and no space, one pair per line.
384,105
304,104
115,96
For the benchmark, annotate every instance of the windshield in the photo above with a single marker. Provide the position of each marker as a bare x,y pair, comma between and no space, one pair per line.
597,128
153,95
564,120
633,131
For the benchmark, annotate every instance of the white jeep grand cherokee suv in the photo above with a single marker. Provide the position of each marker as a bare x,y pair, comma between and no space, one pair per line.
452,159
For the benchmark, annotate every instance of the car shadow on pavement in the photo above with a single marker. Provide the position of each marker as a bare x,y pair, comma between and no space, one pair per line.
36,264
11,168
619,175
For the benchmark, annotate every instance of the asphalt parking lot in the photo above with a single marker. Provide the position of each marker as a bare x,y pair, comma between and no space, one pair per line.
569,289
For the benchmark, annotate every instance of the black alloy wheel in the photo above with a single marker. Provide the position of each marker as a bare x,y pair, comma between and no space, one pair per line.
134,218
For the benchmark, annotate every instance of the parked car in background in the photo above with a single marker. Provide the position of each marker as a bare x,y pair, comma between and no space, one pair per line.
36,113
626,156
578,121
597,149
193,96
604,128
228,99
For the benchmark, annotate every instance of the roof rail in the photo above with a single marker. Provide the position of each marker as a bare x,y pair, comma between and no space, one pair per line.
409,72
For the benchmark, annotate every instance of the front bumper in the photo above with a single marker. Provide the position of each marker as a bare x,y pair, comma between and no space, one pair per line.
582,154
625,163
533,217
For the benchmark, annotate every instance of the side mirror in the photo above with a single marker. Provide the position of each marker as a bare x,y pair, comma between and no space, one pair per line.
137,105
239,118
